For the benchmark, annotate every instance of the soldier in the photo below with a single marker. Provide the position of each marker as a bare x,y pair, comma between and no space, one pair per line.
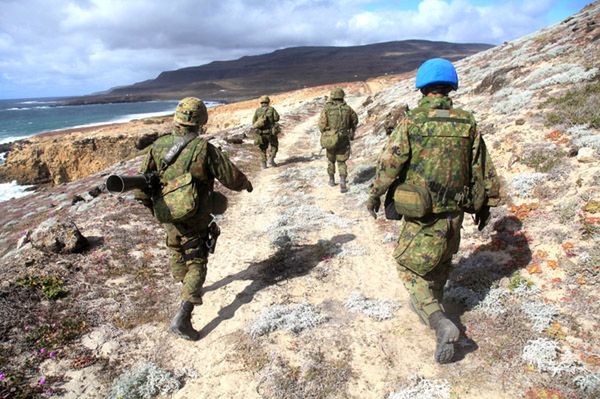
184,153
443,169
337,124
267,129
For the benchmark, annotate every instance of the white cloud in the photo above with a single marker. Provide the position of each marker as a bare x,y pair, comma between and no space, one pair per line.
74,47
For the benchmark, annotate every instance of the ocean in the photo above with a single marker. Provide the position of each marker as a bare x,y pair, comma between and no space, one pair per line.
27,117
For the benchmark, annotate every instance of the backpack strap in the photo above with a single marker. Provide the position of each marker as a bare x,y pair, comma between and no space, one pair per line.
175,150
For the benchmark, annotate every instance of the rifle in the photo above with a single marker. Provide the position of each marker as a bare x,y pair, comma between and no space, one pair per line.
213,235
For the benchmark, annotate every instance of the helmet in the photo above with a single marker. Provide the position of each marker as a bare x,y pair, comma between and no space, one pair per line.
437,70
337,93
264,99
191,111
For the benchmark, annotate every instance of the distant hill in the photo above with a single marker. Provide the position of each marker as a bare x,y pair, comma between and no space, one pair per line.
287,69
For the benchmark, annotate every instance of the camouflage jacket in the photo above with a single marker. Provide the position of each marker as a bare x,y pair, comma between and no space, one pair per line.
437,147
206,162
271,115
338,116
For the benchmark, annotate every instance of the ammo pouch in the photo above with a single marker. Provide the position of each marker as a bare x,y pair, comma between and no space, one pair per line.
330,139
412,201
177,200
258,138
276,129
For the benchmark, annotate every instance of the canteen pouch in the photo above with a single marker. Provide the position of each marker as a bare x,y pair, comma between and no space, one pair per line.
412,201
177,200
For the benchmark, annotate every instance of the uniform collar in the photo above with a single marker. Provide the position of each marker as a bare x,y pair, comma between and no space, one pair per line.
435,102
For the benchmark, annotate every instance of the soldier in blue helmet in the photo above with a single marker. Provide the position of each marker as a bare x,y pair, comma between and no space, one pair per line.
437,167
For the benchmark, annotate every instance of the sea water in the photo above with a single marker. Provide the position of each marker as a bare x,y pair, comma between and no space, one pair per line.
23,118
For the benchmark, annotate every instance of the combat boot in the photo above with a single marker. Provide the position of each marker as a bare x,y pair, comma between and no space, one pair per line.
331,180
272,161
181,324
343,187
263,164
446,334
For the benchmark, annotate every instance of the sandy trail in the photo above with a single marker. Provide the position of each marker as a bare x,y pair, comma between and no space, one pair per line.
336,250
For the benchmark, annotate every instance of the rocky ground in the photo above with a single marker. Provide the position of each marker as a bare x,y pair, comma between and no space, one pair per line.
302,298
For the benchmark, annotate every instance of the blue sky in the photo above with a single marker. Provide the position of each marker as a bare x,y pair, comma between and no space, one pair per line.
68,47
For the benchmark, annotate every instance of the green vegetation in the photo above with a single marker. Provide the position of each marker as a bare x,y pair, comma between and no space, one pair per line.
52,287
517,280
579,106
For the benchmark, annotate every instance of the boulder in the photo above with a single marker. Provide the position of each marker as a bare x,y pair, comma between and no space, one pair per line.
236,138
58,237
586,154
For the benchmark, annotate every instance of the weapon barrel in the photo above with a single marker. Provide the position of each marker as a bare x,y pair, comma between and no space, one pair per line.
121,183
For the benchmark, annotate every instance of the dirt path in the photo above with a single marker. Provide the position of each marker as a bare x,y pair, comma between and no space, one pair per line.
296,240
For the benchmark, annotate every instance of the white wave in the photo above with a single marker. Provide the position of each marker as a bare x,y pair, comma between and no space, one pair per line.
13,138
2,157
13,190
37,102
28,108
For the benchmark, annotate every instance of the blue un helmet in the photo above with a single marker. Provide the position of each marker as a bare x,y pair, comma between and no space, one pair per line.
437,71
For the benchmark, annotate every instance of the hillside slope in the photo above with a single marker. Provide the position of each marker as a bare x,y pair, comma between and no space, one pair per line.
525,290
287,69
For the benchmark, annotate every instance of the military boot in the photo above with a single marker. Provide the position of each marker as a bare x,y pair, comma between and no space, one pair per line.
446,334
343,187
182,322
263,163
272,161
331,180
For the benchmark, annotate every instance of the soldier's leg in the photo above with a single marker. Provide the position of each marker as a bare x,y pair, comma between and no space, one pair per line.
420,290
331,167
263,153
274,142
341,159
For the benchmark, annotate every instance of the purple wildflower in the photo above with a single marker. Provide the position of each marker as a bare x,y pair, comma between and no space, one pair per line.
42,381
2,376
42,350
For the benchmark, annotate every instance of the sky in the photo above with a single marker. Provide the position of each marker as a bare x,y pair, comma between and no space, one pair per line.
66,47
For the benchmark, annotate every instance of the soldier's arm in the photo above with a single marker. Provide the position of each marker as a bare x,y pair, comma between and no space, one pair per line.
255,116
148,165
483,160
391,160
224,170
354,118
323,121
275,115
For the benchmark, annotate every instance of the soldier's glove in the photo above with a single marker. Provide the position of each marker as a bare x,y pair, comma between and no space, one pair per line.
482,217
249,187
373,204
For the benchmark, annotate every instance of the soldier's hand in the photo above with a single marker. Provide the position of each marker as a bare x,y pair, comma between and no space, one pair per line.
482,217
249,187
373,204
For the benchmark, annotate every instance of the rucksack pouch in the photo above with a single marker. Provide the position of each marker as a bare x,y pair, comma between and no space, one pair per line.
422,246
330,139
260,122
177,201
412,201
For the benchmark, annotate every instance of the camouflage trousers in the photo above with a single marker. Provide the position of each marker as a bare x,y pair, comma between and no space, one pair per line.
340,156
268,140
424,256
188,256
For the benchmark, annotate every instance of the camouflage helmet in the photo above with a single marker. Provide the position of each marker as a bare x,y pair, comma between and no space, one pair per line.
191,111
337,93
264,99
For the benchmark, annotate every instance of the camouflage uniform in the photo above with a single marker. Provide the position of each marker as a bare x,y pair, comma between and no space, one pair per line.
267,135
186,239
438,147
338,116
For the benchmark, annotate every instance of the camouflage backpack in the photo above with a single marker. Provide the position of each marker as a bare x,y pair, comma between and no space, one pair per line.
336,122
178,198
